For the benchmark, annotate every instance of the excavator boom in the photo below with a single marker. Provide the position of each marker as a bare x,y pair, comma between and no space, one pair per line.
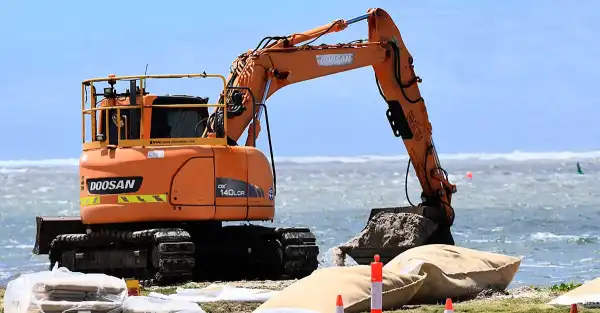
281,61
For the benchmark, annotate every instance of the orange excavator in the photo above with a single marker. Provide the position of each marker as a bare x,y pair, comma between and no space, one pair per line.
160,174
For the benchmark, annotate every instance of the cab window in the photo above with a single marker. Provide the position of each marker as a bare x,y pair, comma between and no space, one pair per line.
130,124
178,122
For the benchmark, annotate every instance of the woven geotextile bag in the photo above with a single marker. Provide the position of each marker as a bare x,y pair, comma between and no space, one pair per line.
317,292
454,272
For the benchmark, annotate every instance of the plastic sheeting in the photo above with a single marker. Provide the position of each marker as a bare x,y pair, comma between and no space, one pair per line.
216,292
284,310
61,291
142,304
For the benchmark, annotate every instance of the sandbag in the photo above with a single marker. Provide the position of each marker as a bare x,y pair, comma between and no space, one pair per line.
91,283
454,272
586,295
49,306
317,292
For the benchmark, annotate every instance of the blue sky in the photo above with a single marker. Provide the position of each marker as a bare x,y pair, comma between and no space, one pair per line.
497,76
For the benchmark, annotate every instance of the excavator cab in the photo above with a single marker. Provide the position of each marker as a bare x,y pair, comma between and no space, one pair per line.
124,123
165,122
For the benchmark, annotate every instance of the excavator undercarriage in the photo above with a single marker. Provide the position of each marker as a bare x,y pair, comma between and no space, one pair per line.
166,253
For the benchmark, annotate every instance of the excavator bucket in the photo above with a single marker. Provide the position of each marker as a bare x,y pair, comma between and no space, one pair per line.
394,230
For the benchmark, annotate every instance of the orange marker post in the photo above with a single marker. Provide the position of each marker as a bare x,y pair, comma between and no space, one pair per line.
449,308
376,285
339,305
133,287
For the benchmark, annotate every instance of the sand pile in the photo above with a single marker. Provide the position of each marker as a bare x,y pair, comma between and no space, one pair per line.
388,230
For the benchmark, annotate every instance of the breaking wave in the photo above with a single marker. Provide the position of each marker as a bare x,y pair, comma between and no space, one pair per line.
515,156
39,163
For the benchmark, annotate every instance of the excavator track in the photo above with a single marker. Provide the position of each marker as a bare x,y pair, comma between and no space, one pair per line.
161,256
300,252
248,252
154,256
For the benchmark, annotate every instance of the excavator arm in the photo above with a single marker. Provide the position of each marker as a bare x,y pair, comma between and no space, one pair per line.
281,61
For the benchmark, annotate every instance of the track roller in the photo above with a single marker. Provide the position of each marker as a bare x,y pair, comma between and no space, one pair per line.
300,252
160,256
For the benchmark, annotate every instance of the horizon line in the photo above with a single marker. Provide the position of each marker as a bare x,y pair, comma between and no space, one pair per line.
516,155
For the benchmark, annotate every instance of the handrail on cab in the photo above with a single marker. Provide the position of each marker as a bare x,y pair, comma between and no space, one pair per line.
112,79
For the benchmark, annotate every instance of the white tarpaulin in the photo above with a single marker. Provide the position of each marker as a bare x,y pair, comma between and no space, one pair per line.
61,290
586,295
216,292
141,304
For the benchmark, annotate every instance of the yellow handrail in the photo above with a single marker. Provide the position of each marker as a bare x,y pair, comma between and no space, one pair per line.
140,77
143,142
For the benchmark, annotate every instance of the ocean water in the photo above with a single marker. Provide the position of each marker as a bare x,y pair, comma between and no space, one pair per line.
535,206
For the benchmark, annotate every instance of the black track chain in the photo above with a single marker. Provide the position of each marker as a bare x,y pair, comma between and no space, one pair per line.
171,251
300,252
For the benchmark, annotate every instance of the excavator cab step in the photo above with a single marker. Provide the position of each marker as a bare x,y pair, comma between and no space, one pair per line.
391,231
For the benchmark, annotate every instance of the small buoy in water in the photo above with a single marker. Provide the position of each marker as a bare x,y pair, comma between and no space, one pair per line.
469,175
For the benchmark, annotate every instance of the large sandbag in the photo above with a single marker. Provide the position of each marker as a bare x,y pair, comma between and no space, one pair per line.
586,295
454,272
48,306
317,292
92,282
